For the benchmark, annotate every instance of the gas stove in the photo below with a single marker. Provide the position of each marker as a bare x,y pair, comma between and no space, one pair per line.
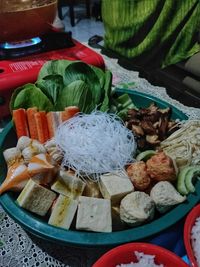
20,62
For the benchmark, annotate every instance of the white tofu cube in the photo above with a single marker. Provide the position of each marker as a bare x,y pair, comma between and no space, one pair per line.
115,187
68,185
36,198
94,214
63,212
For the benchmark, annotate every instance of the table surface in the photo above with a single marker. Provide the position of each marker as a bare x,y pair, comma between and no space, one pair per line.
20,249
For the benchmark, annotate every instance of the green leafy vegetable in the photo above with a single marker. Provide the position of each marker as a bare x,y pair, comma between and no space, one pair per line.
63,83
107,91
51,85
82,71
30,96
78,94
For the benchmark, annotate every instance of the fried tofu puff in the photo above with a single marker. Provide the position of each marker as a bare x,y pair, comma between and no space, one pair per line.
138,175
160,167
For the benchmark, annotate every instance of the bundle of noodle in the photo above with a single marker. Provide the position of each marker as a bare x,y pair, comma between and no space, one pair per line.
95,143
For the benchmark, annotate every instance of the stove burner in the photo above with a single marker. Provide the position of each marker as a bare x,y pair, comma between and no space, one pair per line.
48,42
22,44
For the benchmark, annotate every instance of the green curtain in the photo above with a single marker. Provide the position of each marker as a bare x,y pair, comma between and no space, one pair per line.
152,33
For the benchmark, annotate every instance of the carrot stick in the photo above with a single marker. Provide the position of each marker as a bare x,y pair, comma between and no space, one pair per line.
31,122
69,112
53,120
42,126
20,121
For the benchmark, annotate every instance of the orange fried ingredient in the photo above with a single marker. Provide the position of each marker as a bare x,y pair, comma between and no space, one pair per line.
138,175
42,126
69,112
20,121
30,112
160,167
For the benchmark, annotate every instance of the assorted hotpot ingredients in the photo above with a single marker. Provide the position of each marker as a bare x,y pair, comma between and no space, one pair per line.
81,166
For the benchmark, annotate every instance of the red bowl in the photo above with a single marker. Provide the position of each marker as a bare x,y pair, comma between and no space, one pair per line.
189,222
124,254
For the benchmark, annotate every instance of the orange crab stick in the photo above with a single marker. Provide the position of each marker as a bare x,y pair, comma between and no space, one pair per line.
42,126
31,122
20,121
53,120
16,178
69,112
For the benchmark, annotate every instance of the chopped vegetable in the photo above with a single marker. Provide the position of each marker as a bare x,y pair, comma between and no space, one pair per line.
185,179
191,174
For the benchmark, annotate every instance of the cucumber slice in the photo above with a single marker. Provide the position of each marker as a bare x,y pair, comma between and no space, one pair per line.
145,155
181,187
192,173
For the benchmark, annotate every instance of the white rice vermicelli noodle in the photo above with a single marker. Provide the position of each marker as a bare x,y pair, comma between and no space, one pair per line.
144,260
195,237
95,143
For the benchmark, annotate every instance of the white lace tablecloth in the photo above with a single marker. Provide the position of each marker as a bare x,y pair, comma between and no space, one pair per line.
20,249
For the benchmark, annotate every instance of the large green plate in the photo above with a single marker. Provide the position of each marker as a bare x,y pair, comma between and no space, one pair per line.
40,228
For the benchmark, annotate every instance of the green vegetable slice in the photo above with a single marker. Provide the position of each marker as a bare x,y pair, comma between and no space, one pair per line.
181,187
184,180
122,104
190,175
145,155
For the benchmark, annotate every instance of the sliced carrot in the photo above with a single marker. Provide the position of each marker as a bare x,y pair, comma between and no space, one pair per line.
53,120
69,112
20,121
31,122
42,126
